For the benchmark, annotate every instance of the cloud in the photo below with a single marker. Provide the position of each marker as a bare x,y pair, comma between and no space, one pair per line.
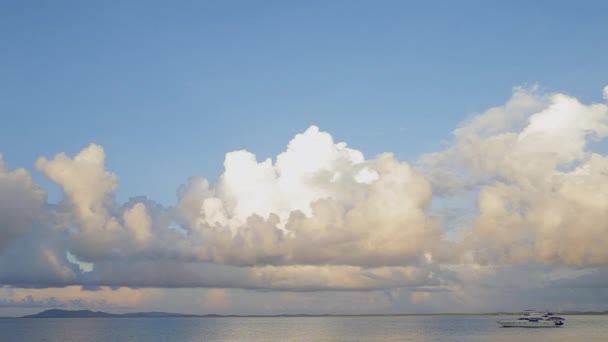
542,194
336,222
88,199
52,302
152,274
321,216
217,299
30,302
320,203
32,263
75,297
21,203
596,278
137,221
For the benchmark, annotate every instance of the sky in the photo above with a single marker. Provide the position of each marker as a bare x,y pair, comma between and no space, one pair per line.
267,157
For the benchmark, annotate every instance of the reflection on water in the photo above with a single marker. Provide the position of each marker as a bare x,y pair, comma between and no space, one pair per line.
387,328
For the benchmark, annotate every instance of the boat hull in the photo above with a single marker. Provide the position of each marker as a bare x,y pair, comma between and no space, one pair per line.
527,324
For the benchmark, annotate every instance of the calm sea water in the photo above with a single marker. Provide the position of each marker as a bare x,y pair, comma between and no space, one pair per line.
388,328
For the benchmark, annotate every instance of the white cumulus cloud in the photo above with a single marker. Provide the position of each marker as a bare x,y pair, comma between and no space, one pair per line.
322,216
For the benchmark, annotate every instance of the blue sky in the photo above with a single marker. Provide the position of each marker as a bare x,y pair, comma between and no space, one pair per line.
168,89
477,220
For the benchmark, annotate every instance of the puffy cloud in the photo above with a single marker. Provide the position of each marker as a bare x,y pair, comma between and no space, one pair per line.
21,203
560,221
524,141
138,222
87,185
320,203
97,227
301,175
364,227
542,192
318,193
88,188
323,217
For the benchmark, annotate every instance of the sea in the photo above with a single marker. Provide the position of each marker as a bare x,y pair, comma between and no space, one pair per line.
334,328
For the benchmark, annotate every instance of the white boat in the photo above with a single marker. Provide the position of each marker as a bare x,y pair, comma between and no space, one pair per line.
533,319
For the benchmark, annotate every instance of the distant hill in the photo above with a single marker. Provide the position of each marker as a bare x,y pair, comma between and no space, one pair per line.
57,313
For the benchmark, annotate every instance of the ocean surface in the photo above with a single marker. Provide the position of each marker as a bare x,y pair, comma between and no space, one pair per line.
363,328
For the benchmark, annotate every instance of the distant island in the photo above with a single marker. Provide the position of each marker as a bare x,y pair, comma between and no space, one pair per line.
58,313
